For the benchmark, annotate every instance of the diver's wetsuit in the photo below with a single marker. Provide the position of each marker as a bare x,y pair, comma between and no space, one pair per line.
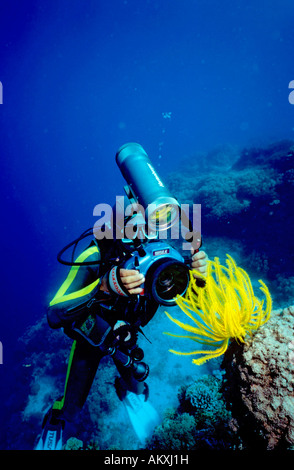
88,315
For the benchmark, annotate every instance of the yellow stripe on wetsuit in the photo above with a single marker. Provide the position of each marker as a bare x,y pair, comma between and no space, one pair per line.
58,404
61,295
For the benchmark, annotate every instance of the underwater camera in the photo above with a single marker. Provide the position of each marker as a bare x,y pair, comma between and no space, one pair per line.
166,274
151,210
164,268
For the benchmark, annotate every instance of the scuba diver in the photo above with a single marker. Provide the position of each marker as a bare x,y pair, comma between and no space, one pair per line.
102,305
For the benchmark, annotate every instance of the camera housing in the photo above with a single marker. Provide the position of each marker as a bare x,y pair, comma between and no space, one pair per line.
166,274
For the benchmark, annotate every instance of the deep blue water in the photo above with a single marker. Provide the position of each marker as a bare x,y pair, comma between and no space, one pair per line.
82,78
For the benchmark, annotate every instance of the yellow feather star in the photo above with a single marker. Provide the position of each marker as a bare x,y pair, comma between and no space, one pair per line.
225,308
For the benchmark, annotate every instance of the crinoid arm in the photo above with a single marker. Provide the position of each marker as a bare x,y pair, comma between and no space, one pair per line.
225,308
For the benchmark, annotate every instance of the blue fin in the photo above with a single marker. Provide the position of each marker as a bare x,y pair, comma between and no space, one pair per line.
52,432
142,415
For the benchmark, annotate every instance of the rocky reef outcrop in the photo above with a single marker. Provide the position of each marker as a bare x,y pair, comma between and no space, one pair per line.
259,384
246,212
246,198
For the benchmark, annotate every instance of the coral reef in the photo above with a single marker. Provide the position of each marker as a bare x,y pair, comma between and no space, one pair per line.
248,202
177,432
201,420
204,401
259,384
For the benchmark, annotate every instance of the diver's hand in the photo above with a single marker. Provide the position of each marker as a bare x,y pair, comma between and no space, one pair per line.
132,279
122,281
199,262
103,284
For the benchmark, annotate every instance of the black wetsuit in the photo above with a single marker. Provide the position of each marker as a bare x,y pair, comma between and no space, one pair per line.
88,316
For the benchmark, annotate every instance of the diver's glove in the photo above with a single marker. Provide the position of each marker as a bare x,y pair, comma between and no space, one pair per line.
123,282
114,282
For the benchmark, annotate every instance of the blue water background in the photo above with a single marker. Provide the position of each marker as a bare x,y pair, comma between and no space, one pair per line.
82,78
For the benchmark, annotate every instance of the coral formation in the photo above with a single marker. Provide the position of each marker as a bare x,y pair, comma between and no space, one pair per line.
201,420
224,308
259,384
204,401
176,432
73,444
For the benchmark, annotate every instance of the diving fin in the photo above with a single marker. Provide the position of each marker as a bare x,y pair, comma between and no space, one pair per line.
52,432
141,413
